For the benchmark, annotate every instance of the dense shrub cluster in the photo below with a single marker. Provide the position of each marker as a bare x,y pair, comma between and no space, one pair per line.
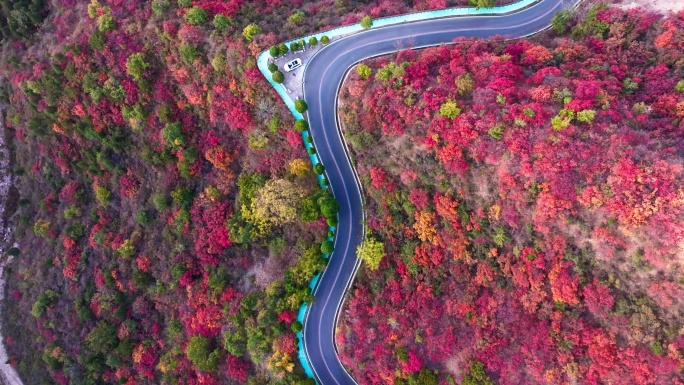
20,18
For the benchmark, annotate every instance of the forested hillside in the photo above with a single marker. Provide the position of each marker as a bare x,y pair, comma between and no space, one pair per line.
524,207
169,220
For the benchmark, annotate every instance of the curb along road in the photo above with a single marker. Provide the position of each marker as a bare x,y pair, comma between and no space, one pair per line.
322,80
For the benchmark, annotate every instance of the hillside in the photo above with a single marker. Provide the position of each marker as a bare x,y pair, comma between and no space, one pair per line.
524,207
168,217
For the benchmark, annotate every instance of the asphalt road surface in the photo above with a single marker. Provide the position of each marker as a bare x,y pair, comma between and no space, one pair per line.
322,79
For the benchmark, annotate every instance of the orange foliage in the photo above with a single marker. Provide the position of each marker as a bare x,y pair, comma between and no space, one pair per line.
446,208
138,353
220,157
536,55
541,94
664,39
563,285
425,227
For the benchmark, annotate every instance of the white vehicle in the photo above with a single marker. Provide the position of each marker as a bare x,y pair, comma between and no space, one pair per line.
296,63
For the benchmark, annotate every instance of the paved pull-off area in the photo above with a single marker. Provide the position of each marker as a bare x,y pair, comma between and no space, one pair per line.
293,79
322,76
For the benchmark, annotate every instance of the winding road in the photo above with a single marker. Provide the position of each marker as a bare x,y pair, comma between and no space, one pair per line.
322,79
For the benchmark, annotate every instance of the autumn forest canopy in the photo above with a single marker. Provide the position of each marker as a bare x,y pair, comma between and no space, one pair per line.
524,199
528,196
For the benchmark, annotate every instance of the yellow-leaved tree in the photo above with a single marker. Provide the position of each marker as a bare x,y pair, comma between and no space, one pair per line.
310,262
275,204
281,362
300,167
371,251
